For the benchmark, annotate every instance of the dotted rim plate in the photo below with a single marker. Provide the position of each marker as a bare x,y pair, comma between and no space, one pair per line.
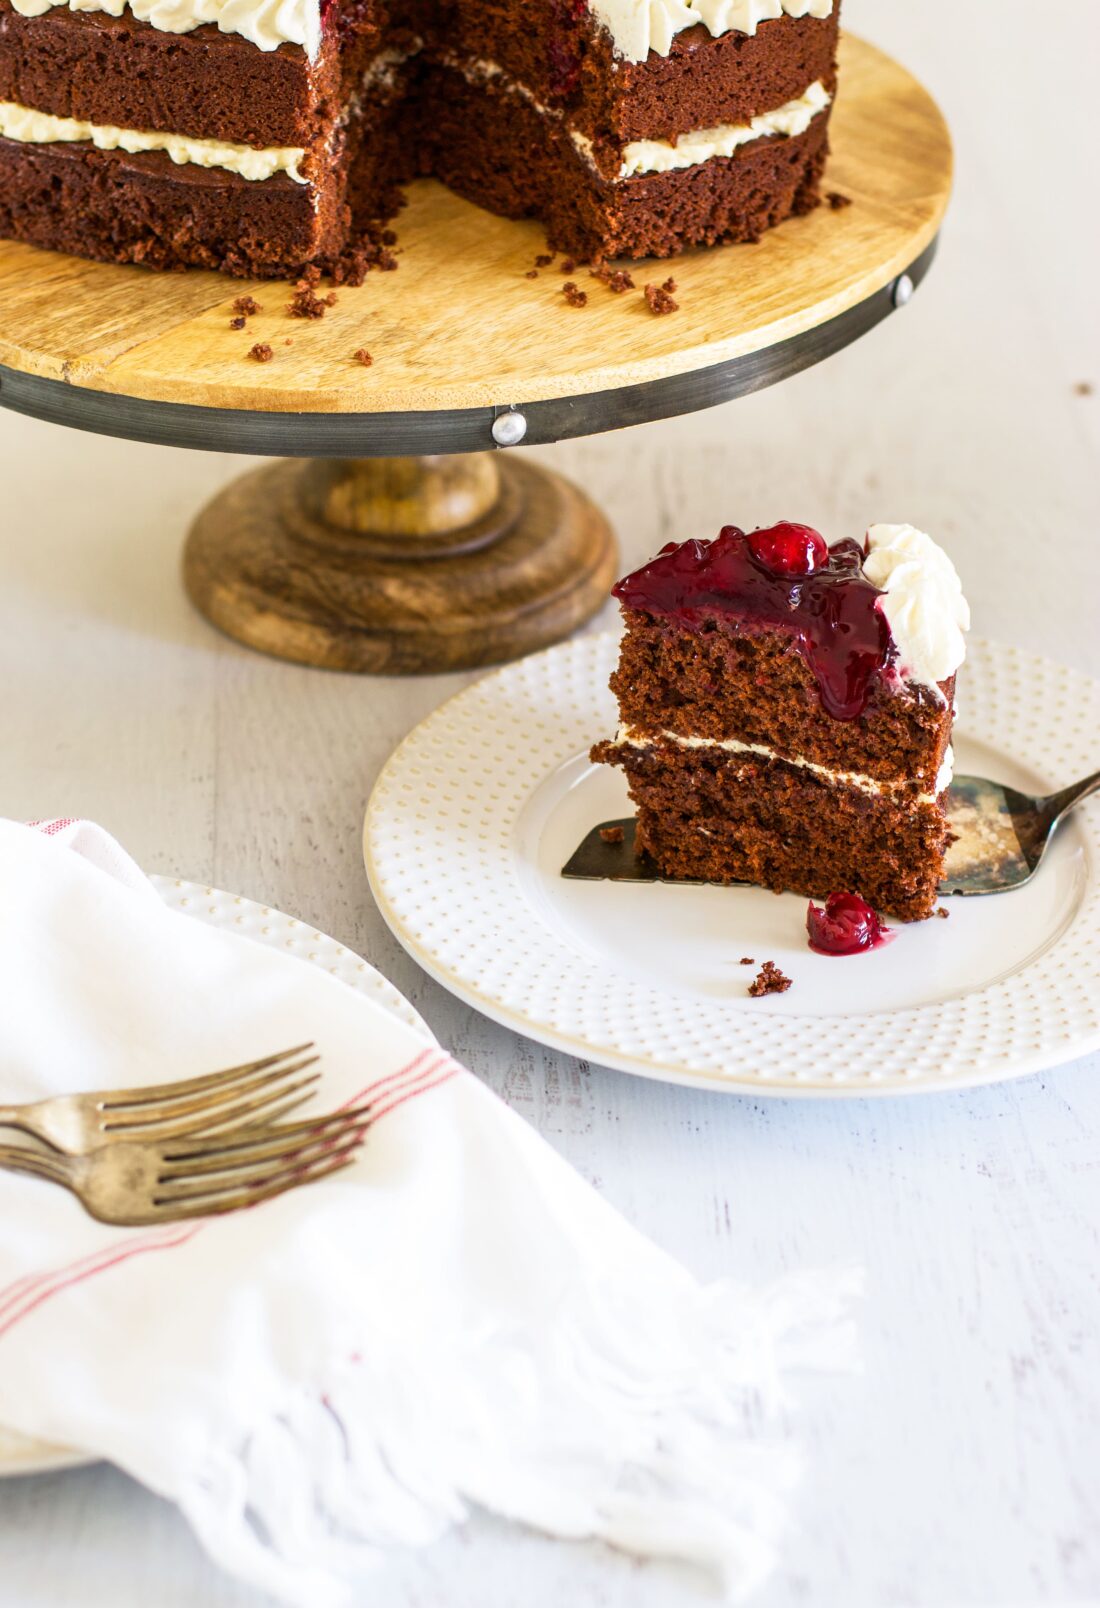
20,1455
440,840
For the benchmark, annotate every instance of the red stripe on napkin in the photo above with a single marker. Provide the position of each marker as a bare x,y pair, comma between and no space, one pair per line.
437,1075
431,1052
64,1279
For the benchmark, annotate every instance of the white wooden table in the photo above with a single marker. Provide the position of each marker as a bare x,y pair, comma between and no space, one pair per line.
964,1466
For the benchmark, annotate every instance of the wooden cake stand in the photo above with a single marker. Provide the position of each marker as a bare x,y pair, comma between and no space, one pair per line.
367,558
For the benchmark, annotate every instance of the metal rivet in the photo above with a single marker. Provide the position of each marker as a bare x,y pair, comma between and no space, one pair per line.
509,428
903,290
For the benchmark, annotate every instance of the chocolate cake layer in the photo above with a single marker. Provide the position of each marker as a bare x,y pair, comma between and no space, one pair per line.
145,208
714,817
720,684
124,73
704,80
494,147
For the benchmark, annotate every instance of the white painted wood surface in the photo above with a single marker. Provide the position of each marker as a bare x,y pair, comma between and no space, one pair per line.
964,1466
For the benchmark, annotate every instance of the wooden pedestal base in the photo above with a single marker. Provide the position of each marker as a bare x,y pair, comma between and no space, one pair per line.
400,565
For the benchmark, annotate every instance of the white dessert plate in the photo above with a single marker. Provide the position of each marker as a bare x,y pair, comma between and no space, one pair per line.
480,807
18,1453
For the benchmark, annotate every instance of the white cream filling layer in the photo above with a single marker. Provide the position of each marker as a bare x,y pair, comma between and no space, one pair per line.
662,156
639,26
266,23
31,127
627,738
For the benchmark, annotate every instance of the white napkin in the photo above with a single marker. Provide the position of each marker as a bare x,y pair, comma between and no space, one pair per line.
456,1319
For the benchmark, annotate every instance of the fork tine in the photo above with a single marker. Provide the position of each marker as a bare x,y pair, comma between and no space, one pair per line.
217,1205
242,1184
164,1110
260,1152
207,1108
151,1093
202,1127
244,1140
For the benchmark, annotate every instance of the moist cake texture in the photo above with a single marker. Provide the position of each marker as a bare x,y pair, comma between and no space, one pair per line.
786,711
261,136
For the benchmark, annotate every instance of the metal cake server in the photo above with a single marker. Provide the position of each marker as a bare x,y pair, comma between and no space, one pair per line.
1000,838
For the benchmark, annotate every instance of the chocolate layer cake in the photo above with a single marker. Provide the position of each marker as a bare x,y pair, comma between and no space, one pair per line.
258,136
786,711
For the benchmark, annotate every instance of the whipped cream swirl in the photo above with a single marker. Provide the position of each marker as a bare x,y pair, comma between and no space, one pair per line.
923,601
639,26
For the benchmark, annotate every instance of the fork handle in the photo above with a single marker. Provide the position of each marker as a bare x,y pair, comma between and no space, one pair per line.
13,1158
1059,804
21,1118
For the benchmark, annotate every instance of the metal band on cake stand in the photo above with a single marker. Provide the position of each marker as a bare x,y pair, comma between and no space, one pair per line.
455,430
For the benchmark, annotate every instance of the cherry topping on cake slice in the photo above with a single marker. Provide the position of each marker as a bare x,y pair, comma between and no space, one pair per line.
789,549
783,579
845,925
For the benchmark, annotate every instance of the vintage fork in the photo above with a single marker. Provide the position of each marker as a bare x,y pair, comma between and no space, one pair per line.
141,1182
258,1091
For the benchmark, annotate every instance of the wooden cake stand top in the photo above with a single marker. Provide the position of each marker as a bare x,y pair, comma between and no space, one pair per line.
459,334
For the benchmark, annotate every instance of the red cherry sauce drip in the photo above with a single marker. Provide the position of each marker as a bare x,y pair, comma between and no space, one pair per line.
566,48
845,926
779,579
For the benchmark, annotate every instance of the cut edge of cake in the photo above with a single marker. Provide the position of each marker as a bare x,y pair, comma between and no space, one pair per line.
259,138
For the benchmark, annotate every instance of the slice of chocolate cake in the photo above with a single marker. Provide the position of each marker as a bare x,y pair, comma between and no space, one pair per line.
786,711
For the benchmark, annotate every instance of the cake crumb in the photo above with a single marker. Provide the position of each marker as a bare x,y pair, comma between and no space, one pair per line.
670,285
532,273
1084,388
837,201
364,357
659,300
616,279
388,237
746,960
236,323
262,352
943,912
574,295
770,980
305,303
567,265
246,306
611,834
543,260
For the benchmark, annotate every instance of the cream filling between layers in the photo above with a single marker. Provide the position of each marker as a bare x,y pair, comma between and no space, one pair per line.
660,156
265,23
626,737
32,127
